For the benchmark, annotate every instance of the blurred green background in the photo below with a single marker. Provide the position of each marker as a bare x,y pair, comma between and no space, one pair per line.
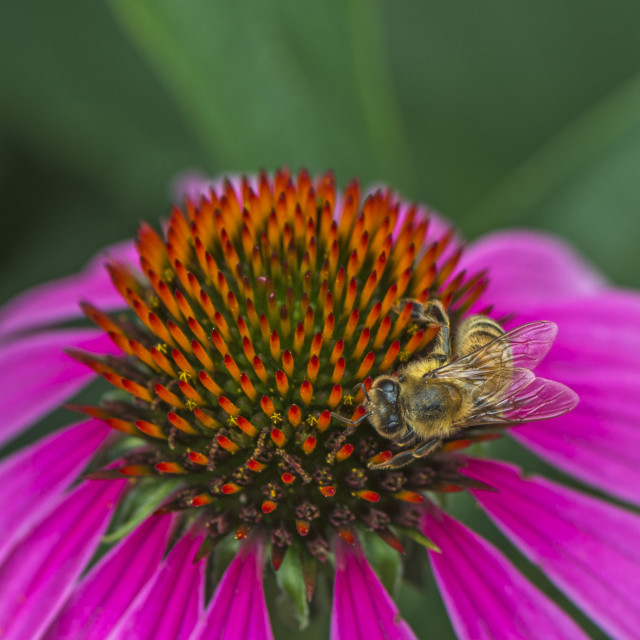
497,113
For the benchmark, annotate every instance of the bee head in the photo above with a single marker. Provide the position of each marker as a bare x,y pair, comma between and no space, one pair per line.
382,403
385,390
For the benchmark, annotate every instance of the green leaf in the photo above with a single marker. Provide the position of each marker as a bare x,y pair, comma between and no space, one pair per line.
137,505
118,449
265,84
598,209
291,580
420,538
225,552
582,140
89,106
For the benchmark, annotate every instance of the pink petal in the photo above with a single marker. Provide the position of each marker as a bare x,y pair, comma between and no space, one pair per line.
36,376
38,575
58,300
238,610
613,320
362,609
194,184
32,480
587,547
485,595
622,302
599,358
528,268
105,594
169,605
190,184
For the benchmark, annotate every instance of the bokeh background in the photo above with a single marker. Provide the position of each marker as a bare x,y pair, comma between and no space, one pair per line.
498,113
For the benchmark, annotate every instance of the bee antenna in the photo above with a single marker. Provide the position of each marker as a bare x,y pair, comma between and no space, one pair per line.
360,385
337,416
351,423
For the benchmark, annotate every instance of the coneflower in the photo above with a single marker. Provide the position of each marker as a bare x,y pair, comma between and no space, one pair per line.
239,349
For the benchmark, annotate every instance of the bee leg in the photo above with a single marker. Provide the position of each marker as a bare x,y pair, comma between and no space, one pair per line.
433,313
399,460
425,448
408,439
405,457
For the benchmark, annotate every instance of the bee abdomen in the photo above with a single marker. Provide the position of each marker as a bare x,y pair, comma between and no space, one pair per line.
475,332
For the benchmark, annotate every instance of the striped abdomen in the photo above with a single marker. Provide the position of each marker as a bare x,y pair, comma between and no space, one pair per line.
475,332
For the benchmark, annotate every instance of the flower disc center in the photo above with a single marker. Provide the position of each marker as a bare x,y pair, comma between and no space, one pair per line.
258,316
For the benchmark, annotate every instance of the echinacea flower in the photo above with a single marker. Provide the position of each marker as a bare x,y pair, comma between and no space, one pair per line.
231,341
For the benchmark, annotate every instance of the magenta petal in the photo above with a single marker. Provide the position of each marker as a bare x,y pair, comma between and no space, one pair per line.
599,441
57,301
612,336
191,184
600,332
527,268
486,596
32,480
362,609
195,184
238,610
105,594
169,605
37,376
38,575
587,547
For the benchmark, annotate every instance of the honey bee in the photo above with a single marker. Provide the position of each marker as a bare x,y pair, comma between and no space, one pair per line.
487,380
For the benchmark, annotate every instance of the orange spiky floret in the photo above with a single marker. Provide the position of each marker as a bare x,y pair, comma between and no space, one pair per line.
366,365
151,429
180,423
198,458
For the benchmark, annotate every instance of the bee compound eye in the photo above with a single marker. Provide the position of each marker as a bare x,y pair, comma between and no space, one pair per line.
391,427
388,386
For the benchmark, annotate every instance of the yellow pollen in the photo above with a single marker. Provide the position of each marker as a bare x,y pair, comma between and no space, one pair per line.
161,347
276,417
184,376
312,421
348,399
232,420
191,404
403,356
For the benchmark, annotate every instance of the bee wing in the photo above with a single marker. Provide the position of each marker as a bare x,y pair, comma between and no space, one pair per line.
523,347
499,378
523,398
539,400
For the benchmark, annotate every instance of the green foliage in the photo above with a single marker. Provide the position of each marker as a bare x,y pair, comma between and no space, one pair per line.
137,506
293,597
497,113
